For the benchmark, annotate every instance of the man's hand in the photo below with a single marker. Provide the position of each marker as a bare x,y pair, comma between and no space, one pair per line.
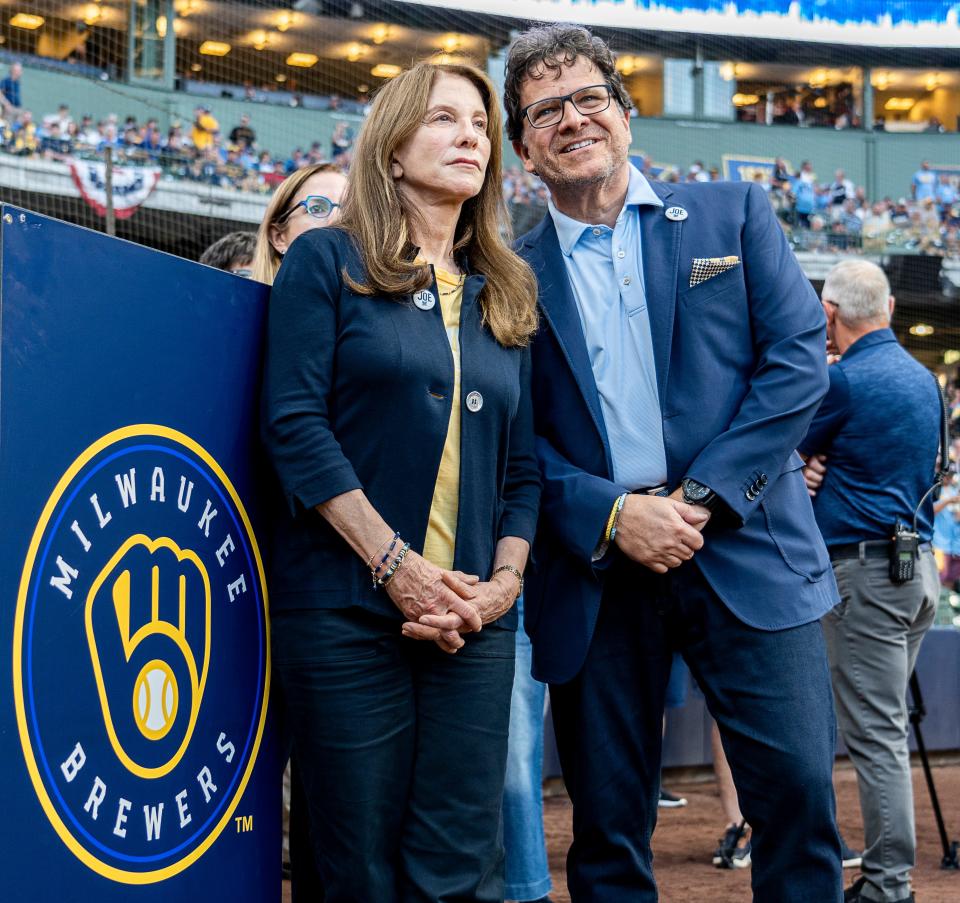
813,473
701,514
660,533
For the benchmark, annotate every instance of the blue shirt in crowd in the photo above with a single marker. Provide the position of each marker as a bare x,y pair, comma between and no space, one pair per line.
605,267
879,426
10,88
946,526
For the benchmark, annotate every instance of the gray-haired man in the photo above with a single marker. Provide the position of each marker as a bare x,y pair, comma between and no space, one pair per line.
873,447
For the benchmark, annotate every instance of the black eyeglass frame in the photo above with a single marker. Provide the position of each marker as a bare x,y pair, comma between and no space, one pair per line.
281,221
525,112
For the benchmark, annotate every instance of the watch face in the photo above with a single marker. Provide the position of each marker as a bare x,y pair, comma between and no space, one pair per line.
694,490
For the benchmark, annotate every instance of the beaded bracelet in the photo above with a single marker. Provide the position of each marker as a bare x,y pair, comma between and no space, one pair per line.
386,555
394,566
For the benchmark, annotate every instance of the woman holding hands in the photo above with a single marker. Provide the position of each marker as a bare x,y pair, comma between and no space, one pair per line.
398,420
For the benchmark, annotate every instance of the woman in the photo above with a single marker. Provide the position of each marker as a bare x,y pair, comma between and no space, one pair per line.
289,214
398,419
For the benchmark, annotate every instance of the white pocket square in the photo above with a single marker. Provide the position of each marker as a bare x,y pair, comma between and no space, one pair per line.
705,268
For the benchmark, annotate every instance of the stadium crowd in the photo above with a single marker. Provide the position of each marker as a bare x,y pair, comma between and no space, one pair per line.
819,214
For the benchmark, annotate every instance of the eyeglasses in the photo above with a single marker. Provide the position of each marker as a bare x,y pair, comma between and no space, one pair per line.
549,111
316,205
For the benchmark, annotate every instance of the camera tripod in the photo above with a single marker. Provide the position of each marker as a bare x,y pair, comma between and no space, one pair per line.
917,713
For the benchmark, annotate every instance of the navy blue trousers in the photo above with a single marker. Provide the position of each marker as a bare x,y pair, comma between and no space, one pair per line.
402,752
770,694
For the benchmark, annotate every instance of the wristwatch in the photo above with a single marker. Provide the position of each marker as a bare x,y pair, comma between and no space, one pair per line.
695,493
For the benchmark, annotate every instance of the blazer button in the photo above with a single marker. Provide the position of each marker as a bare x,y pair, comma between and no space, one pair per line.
751,495
763,479
474,402
424,299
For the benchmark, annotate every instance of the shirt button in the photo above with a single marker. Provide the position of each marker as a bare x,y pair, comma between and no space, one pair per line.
474,402
626,280
621,254
596,231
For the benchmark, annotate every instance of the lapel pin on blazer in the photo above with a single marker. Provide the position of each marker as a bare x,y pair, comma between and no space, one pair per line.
676,214
424,299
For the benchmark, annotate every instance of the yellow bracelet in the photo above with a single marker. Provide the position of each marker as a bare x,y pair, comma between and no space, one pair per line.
611,530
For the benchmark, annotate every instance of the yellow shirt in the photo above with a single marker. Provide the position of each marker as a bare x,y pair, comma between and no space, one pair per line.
440,542
203,136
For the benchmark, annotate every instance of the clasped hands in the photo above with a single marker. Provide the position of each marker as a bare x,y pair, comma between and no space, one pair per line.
660,532
441,605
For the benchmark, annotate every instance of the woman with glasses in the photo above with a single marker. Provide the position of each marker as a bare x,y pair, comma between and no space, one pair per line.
398,421
307,199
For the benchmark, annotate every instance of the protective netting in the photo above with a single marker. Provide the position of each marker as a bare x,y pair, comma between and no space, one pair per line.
847,113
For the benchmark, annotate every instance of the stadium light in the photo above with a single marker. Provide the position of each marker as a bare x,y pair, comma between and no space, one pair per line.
355,51
385,70
214,48
92,14
286,20
259,39
921,329
745,100
302,60
380,34
27,21
900,104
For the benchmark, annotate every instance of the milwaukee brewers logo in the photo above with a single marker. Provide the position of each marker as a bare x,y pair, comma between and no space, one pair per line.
140,654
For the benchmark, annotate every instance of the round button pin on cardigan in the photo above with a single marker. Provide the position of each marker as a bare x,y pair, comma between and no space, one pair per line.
474,402
424,299
676,214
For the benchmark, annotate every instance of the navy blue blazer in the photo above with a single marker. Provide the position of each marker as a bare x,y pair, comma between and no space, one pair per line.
357,393
741,371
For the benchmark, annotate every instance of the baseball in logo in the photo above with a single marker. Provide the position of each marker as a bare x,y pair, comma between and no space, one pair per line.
141,662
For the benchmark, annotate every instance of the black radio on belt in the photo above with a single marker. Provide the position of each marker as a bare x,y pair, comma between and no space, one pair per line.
904,551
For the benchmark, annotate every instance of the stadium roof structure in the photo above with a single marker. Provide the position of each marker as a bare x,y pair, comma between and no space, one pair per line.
875,32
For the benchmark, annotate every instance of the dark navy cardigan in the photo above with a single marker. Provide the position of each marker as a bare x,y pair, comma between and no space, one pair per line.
357,394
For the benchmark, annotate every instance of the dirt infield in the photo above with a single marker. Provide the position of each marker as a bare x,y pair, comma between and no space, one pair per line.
686,838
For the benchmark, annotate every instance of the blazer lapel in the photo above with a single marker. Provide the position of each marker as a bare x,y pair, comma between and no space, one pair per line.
660,248
560,311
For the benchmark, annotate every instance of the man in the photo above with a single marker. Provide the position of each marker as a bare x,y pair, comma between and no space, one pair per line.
233,253
924,182
242,135
10,89
680,347
205,129
840,189
878,432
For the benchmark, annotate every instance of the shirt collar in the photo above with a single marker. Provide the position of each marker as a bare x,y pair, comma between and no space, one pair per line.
876,337
569,230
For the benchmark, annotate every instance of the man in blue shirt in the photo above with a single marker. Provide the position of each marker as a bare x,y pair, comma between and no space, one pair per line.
10,88
678,364
873,446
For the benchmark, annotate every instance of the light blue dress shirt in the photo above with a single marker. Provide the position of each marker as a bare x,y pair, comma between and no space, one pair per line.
605,268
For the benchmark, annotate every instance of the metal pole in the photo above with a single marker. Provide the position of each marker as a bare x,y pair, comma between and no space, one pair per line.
111,219
917,713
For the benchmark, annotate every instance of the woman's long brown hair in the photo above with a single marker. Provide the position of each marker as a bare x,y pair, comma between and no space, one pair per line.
378,217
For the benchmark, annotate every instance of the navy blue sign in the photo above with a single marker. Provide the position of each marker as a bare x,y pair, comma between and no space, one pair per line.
137,745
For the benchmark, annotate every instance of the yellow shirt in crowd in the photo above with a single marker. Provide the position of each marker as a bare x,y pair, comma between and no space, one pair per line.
440,542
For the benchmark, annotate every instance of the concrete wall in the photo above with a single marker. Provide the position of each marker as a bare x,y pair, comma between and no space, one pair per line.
279,129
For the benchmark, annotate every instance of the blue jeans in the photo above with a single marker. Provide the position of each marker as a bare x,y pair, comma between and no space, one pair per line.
401,749
527,874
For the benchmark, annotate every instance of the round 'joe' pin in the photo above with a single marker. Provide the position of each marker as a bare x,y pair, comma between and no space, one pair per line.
676,214
424,299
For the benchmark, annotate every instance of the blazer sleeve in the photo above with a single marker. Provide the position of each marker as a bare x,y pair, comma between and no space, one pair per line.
576,504
521,491
788,327
299,375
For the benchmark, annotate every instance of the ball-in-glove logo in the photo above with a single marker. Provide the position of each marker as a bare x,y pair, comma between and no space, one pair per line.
140,654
